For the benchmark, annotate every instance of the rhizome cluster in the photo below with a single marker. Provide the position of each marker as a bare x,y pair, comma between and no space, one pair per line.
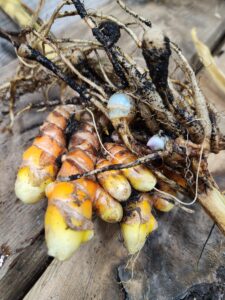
135,120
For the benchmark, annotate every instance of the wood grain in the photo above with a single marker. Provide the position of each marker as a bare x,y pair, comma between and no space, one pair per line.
167,265
90,274
25,277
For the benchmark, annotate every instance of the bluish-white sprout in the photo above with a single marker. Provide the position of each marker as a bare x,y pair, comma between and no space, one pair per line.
120,106
157,142
121,110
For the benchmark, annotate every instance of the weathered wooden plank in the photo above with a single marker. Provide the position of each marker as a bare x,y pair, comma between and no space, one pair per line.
25,277
214,42
165,267
19,223
168,263
86,275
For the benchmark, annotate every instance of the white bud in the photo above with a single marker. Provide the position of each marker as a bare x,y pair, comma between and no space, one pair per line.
157,142
120,106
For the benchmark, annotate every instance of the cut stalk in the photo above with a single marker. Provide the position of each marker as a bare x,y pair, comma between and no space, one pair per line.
213,201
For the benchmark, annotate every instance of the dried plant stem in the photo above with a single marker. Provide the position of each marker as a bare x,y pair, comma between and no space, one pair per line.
104,73
170,182
78,41
148,90
186,116
105,17
37,12
45,28
110,51
71,66
137,162
134,14
200,103
30,53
